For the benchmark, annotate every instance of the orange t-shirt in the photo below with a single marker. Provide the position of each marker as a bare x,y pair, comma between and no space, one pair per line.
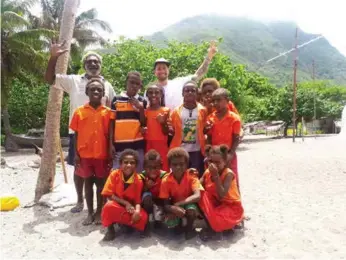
92,125
171,189
154,132
210,187
115,186
222,130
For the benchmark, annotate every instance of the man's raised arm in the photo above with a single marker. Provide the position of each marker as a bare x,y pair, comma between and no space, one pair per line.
55,51
203,69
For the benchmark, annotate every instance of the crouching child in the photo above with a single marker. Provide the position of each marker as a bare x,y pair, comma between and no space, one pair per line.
123,190
152,177
180,191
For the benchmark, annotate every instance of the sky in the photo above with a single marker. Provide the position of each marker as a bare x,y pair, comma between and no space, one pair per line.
132,18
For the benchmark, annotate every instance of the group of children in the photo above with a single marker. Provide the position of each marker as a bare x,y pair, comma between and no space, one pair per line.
173,165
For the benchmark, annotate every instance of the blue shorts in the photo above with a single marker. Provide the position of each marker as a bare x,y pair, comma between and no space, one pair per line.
71,150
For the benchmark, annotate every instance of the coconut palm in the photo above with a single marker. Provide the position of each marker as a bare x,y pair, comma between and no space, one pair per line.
85,30
22,53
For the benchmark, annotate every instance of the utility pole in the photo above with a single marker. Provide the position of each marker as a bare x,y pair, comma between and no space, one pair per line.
313,80
295,85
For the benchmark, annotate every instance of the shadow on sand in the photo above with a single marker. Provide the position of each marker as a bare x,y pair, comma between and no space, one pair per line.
75,228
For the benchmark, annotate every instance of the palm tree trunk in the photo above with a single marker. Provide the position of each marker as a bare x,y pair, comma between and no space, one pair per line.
52,128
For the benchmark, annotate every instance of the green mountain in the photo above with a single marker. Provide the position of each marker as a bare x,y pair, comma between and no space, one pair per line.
253,43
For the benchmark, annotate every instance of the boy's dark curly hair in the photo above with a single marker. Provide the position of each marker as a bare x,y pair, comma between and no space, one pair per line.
127,152
152,155
178,152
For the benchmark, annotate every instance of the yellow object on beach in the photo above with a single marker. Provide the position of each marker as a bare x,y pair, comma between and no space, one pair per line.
9,203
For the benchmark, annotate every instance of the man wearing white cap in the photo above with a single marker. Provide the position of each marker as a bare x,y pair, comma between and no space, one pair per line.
173,88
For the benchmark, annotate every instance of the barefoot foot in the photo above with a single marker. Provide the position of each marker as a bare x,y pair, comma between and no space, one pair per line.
89,220
110,235
78,208
97,218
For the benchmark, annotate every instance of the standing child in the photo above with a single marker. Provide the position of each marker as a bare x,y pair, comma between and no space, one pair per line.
207,87
220,202
223,127
90,124
126,129
188,121
152,177
180,191
156,115
124,190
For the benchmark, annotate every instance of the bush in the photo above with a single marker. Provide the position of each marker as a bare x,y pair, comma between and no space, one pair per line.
27,107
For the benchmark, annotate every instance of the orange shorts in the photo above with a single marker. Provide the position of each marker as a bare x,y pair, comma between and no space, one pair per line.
90,167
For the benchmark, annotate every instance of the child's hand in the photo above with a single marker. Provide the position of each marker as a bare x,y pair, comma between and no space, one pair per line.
162,118
143,130
230,157
76,161
207,127
178,211
136,216
149,184
134,102
213,170
129,208
212,50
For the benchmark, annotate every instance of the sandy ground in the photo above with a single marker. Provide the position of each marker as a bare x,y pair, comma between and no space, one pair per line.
295,195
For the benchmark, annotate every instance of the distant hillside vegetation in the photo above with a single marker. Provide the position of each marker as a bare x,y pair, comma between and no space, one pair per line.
252,43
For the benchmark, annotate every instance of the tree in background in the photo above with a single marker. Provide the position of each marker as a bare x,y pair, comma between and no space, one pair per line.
46,174
85,31
22,54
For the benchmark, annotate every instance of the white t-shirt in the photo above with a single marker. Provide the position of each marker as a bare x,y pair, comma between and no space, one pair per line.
75,85
190,134
173,91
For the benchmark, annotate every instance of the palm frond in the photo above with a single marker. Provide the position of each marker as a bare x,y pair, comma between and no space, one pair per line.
91,23
85,37
87,15
10,21
18,6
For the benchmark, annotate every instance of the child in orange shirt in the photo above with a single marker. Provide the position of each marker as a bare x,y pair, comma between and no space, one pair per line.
223,127
156,135
207,87
180,191
90,124
124,190
220,202
152,177
188,121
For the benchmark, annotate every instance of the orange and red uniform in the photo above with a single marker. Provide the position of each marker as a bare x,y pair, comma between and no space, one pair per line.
171,189
155,190
221,213
178,126
222,132
155,138
130,191
91,126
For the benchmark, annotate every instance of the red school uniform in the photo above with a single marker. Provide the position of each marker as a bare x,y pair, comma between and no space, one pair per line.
222,214
155,138
222,132
91,126
113,212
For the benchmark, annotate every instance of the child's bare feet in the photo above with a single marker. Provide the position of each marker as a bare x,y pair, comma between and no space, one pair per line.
89,220
78,208
110,234
189,234
97,218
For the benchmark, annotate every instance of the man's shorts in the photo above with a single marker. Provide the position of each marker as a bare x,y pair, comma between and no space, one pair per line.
71,150
90,167
172,223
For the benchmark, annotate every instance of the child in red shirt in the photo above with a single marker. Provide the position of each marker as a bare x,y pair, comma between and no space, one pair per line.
180,192
90,124
123,190
152,177
156,135
223,127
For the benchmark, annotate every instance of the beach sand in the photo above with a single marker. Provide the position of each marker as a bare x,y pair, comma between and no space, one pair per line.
294,194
